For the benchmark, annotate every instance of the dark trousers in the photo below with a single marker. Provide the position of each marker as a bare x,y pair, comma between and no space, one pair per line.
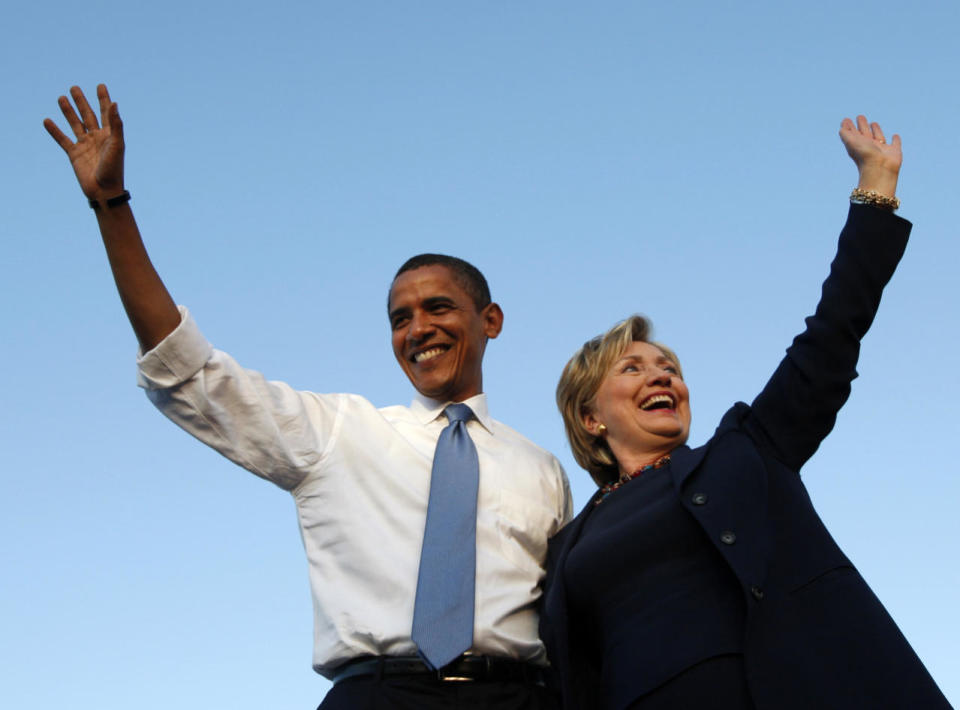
427,693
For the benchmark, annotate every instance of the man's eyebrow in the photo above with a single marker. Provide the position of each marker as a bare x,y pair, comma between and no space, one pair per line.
438,301
399,311
426,303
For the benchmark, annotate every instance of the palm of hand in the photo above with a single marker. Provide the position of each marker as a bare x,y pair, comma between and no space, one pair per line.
866,144
96,158
97,154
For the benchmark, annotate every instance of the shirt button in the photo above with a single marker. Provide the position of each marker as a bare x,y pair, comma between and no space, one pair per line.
699,499
756,592
727,537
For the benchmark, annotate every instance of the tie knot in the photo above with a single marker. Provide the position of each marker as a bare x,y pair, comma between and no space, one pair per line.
458,413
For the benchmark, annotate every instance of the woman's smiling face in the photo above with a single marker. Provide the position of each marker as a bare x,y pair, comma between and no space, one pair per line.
643,406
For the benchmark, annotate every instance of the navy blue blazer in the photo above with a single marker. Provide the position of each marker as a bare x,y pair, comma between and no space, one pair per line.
816,636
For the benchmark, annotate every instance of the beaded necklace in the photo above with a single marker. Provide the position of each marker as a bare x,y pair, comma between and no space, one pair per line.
609,488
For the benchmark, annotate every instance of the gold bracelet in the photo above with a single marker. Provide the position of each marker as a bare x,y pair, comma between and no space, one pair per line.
872,197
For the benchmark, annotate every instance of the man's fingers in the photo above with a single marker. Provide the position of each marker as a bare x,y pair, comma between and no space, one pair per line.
86,113
877,132
104,97
68,113
113,116
59,136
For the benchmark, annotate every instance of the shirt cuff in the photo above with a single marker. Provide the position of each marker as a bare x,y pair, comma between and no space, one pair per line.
176,358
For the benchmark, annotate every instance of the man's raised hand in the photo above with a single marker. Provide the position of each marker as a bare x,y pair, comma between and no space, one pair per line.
97,159
97,154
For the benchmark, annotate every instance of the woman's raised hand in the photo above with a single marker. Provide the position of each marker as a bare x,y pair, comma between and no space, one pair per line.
97,154
877,160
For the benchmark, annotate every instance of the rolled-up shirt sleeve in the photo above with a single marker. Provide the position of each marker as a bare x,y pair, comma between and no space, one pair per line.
266,427
176,358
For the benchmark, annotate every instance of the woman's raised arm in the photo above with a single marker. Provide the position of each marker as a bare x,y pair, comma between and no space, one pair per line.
798,406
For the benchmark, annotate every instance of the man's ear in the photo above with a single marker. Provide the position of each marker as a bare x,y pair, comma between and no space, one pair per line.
492,320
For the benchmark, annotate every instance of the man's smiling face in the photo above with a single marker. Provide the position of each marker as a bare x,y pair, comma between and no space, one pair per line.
438,334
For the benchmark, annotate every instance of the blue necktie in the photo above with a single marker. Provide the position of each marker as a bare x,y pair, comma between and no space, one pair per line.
443,611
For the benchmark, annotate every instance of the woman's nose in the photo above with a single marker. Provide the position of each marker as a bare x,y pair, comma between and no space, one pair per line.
658,375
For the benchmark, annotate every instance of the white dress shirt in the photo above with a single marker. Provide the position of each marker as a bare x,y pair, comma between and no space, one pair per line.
360,477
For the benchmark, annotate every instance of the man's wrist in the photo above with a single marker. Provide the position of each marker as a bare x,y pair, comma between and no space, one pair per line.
107,203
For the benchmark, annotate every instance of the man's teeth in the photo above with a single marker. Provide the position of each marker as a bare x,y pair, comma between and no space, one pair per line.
427,354
657,399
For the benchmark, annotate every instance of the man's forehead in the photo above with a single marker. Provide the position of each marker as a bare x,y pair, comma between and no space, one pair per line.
425,282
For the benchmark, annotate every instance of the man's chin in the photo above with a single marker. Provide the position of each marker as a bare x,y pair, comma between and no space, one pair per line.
433,390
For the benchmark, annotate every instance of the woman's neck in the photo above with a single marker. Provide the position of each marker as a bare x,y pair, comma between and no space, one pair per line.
631,462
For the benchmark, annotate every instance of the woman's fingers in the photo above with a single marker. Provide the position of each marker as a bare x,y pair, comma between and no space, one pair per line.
864,129
869,130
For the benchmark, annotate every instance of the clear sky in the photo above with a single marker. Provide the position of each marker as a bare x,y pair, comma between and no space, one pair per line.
593,159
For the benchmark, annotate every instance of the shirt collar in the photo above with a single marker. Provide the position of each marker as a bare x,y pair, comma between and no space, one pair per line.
426,410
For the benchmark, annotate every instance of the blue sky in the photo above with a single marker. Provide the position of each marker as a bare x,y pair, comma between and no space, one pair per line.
676,159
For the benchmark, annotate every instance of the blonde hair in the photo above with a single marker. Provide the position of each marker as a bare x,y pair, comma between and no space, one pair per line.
578,386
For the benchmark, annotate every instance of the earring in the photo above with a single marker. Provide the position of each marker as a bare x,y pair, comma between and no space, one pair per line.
601,430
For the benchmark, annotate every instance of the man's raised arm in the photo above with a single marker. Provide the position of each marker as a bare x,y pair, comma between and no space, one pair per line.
97,160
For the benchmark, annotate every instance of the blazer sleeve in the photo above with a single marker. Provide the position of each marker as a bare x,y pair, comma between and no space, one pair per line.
798,406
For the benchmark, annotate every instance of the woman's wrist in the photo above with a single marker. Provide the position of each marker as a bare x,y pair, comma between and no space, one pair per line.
881,180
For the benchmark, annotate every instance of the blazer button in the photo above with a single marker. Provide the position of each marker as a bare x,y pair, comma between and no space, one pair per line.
756,592
727,537
699,499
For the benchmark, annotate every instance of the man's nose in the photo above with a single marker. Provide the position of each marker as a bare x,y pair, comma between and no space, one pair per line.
420,327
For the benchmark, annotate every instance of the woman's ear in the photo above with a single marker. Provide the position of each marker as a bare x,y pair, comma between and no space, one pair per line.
591,423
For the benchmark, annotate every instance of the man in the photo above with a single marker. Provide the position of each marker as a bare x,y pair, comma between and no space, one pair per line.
425,527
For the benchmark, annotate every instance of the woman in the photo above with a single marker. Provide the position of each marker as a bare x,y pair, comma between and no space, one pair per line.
703,578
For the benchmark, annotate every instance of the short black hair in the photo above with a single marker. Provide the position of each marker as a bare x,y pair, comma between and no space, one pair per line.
467,276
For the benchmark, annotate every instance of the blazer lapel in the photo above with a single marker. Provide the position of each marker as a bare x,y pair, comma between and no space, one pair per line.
683,461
